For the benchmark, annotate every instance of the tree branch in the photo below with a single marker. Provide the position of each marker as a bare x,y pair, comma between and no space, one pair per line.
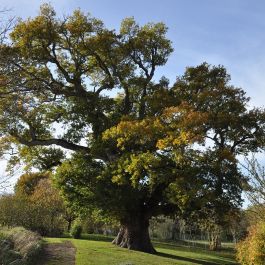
60,142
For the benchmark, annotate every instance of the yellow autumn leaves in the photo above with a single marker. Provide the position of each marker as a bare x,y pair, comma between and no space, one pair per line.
176,126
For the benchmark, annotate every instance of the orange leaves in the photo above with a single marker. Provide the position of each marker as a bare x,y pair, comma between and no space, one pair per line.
184,116
183,126
176,126
45,195
27,182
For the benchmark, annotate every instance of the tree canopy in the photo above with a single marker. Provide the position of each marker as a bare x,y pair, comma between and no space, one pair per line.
138,147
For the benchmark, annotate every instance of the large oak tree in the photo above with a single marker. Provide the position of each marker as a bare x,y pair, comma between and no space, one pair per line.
139,148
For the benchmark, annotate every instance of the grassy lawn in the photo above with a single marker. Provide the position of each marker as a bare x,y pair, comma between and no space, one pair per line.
94,250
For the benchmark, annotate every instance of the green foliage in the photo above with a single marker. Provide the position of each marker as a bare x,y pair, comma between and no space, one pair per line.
251,251
13,210
98,222
161,228
76,229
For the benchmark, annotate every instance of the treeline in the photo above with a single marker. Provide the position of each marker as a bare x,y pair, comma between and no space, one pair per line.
179,229
37,205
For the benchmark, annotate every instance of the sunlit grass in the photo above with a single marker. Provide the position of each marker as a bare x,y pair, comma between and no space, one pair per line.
100,252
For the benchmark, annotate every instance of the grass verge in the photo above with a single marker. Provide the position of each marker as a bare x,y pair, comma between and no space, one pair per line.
19,246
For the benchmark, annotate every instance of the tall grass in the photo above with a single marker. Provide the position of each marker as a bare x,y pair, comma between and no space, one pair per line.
19,245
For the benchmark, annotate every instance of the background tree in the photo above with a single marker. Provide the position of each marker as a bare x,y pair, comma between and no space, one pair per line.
4,183
133,153
231,129
36,205
255,189
251,248
238,224
97,222
5,26
28,182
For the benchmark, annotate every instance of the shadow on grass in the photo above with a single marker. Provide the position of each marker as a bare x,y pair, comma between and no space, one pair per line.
192,260
205,245
224,252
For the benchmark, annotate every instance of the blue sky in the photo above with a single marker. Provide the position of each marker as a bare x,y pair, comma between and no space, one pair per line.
227,32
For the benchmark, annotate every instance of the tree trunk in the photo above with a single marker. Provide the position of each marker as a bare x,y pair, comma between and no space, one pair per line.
69,225
215,241
134,235
234,235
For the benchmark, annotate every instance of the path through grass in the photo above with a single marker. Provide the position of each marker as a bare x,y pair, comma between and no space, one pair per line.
58,253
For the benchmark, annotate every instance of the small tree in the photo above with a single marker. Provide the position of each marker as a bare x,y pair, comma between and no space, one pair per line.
255,190
4,183
251,250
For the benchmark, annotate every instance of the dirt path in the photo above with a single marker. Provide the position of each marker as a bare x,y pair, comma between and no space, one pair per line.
58,254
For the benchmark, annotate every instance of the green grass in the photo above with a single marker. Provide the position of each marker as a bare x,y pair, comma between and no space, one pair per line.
94,250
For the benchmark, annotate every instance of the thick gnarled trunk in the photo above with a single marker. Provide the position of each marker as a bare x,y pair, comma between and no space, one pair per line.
134,235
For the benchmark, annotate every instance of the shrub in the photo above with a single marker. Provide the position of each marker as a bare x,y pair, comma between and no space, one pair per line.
19,246
251,251
7,253
27,243
76,230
